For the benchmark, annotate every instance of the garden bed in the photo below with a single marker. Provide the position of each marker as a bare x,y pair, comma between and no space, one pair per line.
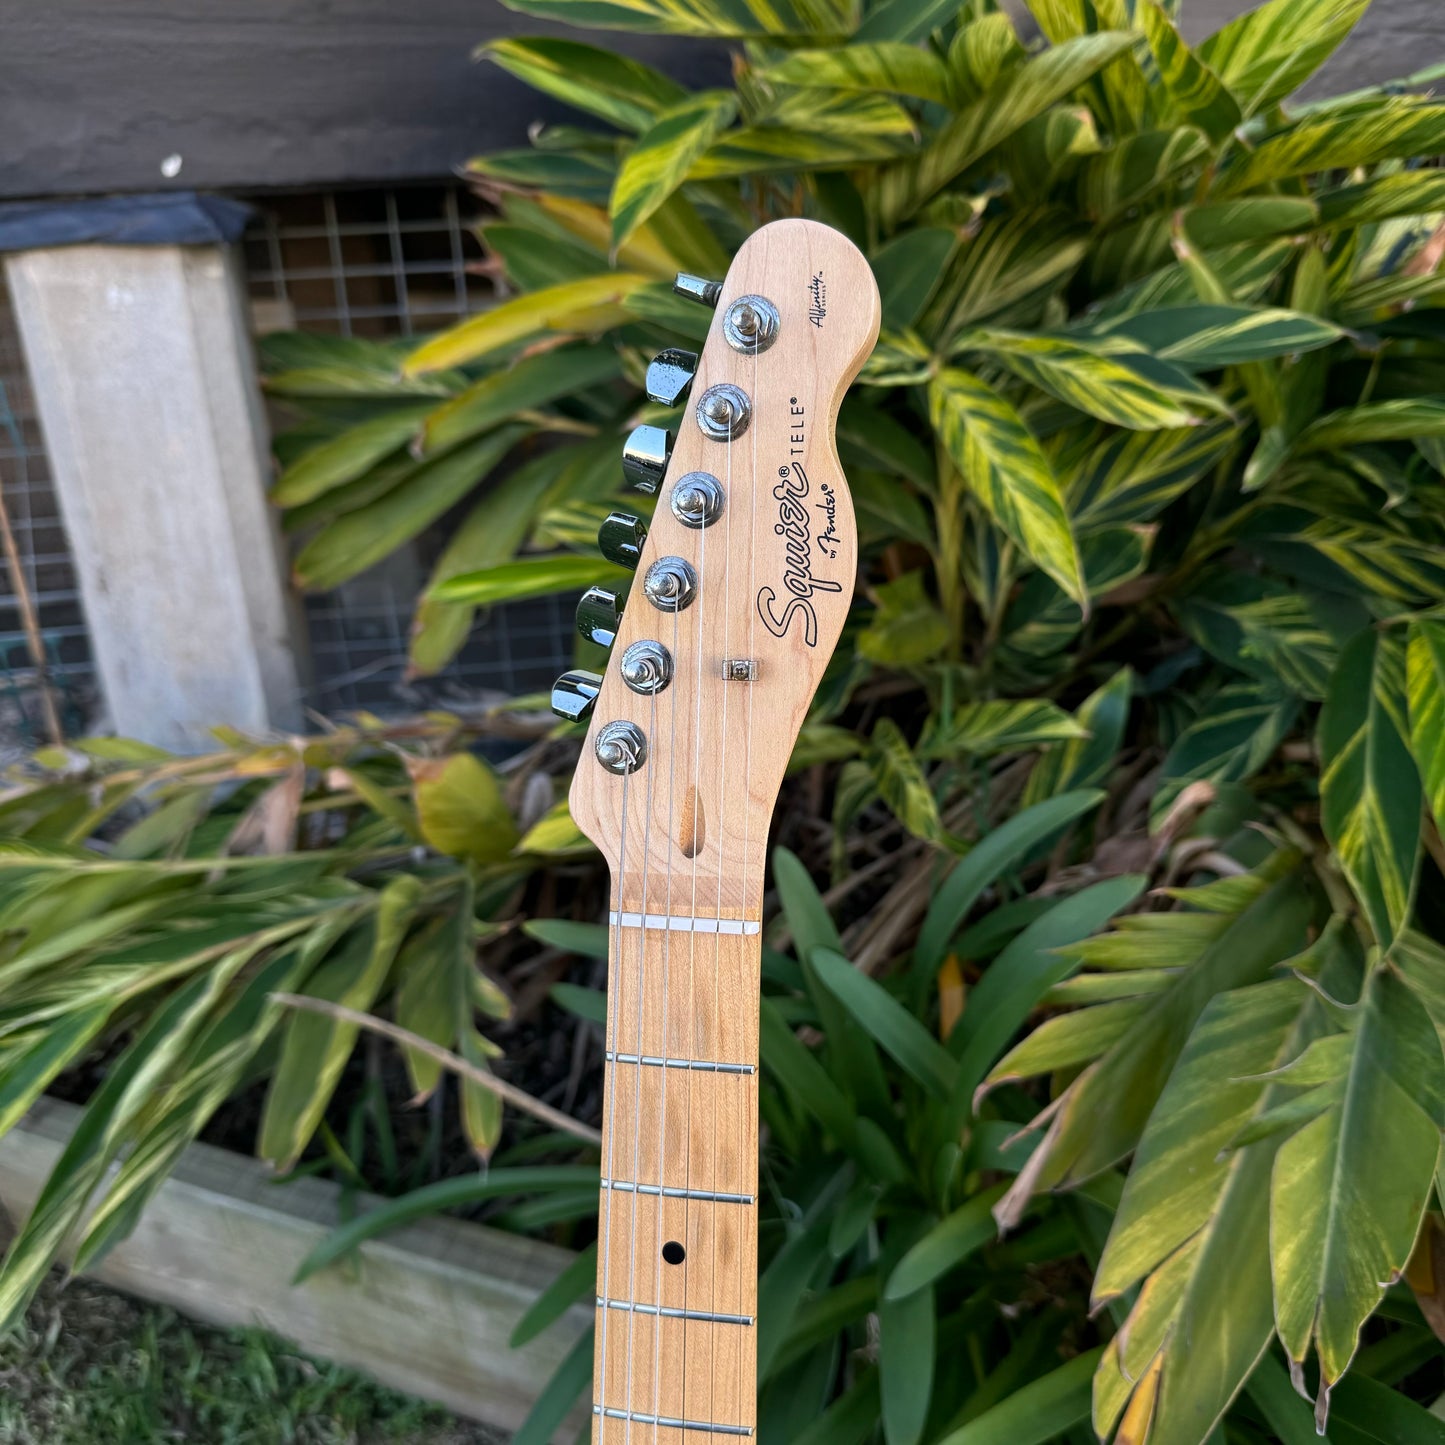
428,1309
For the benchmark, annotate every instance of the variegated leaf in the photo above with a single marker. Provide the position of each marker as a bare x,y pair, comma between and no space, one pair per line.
1006,469
1425,678
663,155
1205,338
986,728
1087,760
1370,792
603,83
1336,1244
1020,95
1267,53
886,66
1115,384
1197,92
901,782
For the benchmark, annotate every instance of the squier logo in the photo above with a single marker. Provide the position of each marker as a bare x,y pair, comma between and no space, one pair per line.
795,526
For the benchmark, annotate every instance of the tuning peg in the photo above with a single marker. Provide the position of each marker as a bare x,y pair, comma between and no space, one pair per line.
621,537
644,457
574,695
669,375
697,288
599,614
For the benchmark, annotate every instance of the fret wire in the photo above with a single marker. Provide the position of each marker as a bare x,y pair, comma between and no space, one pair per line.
666,1191
659,1061
668,1312
669,1422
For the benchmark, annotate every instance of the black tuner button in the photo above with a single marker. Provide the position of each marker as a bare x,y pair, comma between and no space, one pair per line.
599,614
621,537
669,375
644,457
697,288
574,695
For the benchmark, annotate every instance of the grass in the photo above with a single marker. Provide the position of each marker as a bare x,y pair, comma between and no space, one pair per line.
89,1367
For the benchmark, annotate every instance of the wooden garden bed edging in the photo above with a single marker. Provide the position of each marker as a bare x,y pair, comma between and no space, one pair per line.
426,1309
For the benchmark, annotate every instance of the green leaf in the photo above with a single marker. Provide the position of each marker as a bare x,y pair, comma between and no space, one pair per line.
1205,338
982,729
1042,1410
1381,421
356,540
432,997
1349,1189
1130,477
1101,1115
1378,1415
1008,472
907,628
655,167
1234,737
901,782
580,307
591,940
461,809
897,1032
1020,94
614,87
1019,978
1129,389
447,1194
532,382
988,860
1370,793
529,577
1267,53
27,1070
348,456
1086,759
945,1246
1198,94
315,1047
883,66
1425,678
907,1348
1195,1221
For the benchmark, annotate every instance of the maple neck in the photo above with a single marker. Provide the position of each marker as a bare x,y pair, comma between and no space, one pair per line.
676,1345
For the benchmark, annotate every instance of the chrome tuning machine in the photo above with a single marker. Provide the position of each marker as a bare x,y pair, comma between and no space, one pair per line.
574,695
620,538
697,288
669,374
645,456
599,615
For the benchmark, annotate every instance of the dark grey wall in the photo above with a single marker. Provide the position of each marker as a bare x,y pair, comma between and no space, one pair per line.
96,94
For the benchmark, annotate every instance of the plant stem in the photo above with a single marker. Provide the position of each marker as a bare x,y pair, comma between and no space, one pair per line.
448,1060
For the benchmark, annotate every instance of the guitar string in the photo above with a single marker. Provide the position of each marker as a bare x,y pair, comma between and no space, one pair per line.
614,1007
719,1081
692,935
749,1108
637,1087
670,844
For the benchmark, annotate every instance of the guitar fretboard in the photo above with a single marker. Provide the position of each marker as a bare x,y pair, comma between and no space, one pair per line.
676,1351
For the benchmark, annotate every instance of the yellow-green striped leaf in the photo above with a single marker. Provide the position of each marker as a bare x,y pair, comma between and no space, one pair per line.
981,52
664,153
1205,338
885,66
1198,94
1008,472
1114,385
1267,53
986,728
901,782
1425,679
603,83
766,148
590,304
1370,788
1022,93
1380,421
1350,1187
1407,193
1193,1224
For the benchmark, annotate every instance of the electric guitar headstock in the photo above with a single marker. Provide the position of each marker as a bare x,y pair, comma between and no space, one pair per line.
743,581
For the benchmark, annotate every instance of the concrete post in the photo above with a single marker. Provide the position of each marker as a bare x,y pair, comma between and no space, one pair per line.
146,391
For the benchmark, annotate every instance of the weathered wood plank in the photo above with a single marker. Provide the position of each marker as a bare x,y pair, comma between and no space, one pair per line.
426,1309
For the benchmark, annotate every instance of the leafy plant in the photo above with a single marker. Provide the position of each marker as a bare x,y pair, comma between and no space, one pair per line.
155,908
1148,469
